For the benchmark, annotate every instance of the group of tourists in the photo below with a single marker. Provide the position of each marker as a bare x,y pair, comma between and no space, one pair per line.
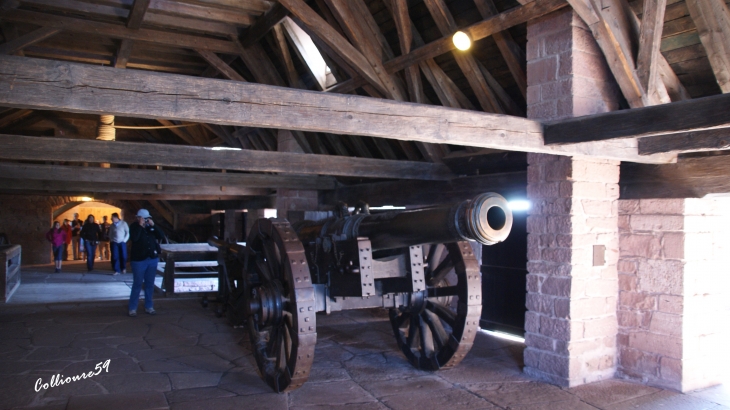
144,256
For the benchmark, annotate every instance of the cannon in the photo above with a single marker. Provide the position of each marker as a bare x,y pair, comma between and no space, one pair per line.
419,264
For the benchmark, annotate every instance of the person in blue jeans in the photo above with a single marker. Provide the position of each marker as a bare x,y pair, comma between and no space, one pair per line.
144,257
90,233
118,236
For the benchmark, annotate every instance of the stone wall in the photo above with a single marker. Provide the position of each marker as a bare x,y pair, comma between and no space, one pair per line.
570,326
571,320
672,275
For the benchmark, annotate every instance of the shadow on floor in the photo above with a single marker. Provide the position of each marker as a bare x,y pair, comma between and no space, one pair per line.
187,358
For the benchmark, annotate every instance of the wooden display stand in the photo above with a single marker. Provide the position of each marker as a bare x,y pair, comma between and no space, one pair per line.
10,270
195,259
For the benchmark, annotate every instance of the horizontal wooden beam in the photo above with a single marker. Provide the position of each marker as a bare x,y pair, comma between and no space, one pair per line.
680,116
54,85
692,141
91,188
415,193
162,177
688,178
14,147
476,31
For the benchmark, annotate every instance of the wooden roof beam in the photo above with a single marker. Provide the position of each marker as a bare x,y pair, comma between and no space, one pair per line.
35,36
34,84
163,177
476,31
688,178
712,19
16,147
316,24
264,24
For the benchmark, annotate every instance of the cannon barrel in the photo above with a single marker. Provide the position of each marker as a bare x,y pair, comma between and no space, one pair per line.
231,247
486,219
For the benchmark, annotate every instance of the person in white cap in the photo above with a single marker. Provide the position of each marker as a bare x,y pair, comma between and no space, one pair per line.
144,257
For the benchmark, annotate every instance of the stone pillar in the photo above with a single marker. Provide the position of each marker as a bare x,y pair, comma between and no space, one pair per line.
291,203
673,273
572,284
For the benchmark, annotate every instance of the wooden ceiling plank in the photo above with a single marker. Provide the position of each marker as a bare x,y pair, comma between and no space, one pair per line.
712,18
121,32
201,12
136,16
316,24
679,116
264,24
13,117
512,53
476,31
507,101
117,11
180,132
35,36
33,84
166,214
693,141
223,134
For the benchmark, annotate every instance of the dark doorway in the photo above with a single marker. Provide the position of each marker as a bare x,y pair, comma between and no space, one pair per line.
504,280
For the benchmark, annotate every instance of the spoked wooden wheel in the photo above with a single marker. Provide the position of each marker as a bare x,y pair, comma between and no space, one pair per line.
280,307
437,327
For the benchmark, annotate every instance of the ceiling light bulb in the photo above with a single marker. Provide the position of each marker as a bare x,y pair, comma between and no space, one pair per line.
462,40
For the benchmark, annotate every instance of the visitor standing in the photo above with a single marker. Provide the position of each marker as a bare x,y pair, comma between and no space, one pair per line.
118,237
145,255
90,234
76,237
57,237
69,232
104,239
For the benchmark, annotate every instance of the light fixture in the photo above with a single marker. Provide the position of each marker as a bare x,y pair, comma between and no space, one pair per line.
462,40
225,149
86,199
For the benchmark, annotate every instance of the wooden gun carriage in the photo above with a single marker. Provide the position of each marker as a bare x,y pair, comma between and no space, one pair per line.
419,264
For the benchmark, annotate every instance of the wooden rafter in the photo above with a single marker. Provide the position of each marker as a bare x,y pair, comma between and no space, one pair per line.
688,178
712,19
16,147
610,21
466,61
477,31
512,53
264,24
650,39
24,82
35,36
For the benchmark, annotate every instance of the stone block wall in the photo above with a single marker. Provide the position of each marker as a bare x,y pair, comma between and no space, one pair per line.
672,275
570,326
567,74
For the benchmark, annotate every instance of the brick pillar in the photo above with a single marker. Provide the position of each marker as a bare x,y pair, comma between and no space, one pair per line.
572,284
291,203
672,274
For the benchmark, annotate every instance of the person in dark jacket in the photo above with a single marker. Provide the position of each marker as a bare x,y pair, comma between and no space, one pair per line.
144,257
57,237
90,233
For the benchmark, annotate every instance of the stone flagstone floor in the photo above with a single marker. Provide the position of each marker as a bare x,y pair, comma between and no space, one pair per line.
186,358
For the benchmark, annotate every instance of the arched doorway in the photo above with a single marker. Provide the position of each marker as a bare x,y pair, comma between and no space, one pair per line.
85,208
